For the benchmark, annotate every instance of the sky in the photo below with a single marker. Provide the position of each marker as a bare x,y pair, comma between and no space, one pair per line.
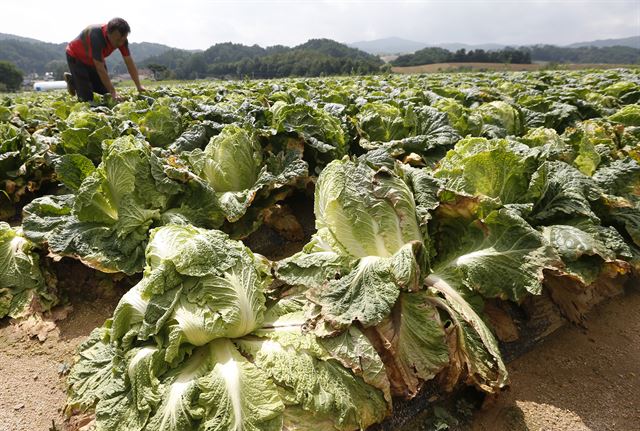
198,24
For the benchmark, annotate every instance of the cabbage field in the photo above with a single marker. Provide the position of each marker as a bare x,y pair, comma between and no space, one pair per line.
437,202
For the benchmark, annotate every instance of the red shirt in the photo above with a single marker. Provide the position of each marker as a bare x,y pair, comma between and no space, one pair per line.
93,44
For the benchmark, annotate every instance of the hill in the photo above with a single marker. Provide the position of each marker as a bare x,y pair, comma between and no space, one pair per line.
396,45
632,42
313,58
34,56
390,45
457,46
5,36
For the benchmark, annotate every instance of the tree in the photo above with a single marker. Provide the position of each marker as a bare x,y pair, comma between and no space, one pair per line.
58,67
197,65
159,71
10,76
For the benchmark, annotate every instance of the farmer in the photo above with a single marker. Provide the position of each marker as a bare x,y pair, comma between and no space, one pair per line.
86,54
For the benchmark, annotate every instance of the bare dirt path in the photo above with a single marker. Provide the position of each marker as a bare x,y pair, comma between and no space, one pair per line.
32,392
577,379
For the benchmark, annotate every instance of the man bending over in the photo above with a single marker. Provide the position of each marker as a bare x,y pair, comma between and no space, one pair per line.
86,54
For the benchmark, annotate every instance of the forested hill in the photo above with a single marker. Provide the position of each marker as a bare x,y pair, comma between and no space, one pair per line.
31,56
314,58
5,36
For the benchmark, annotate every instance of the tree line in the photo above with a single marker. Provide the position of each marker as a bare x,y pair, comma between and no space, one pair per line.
585,54
524,55
10,76
317,57
440,55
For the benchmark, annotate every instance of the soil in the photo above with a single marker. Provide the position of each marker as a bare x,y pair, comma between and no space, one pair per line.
32,391
36,354
577,379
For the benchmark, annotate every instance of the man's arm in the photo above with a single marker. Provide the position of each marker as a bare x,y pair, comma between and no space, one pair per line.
133,71
104,77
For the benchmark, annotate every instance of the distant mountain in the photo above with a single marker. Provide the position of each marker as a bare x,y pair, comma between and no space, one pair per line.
389,45
5,36
633,42
457,46
396,45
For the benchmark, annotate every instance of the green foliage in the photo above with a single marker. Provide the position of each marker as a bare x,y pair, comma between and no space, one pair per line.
201,350
10,76
525,55
440,55
319,57
432,195
586,54
232,160
22,285
31,56
628,116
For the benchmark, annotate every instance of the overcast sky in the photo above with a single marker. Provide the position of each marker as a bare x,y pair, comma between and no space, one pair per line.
198,24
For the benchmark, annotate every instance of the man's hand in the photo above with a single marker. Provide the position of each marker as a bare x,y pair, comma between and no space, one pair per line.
115,96
141,89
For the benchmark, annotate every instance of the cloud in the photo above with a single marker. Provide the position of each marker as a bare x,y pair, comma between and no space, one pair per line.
201,23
